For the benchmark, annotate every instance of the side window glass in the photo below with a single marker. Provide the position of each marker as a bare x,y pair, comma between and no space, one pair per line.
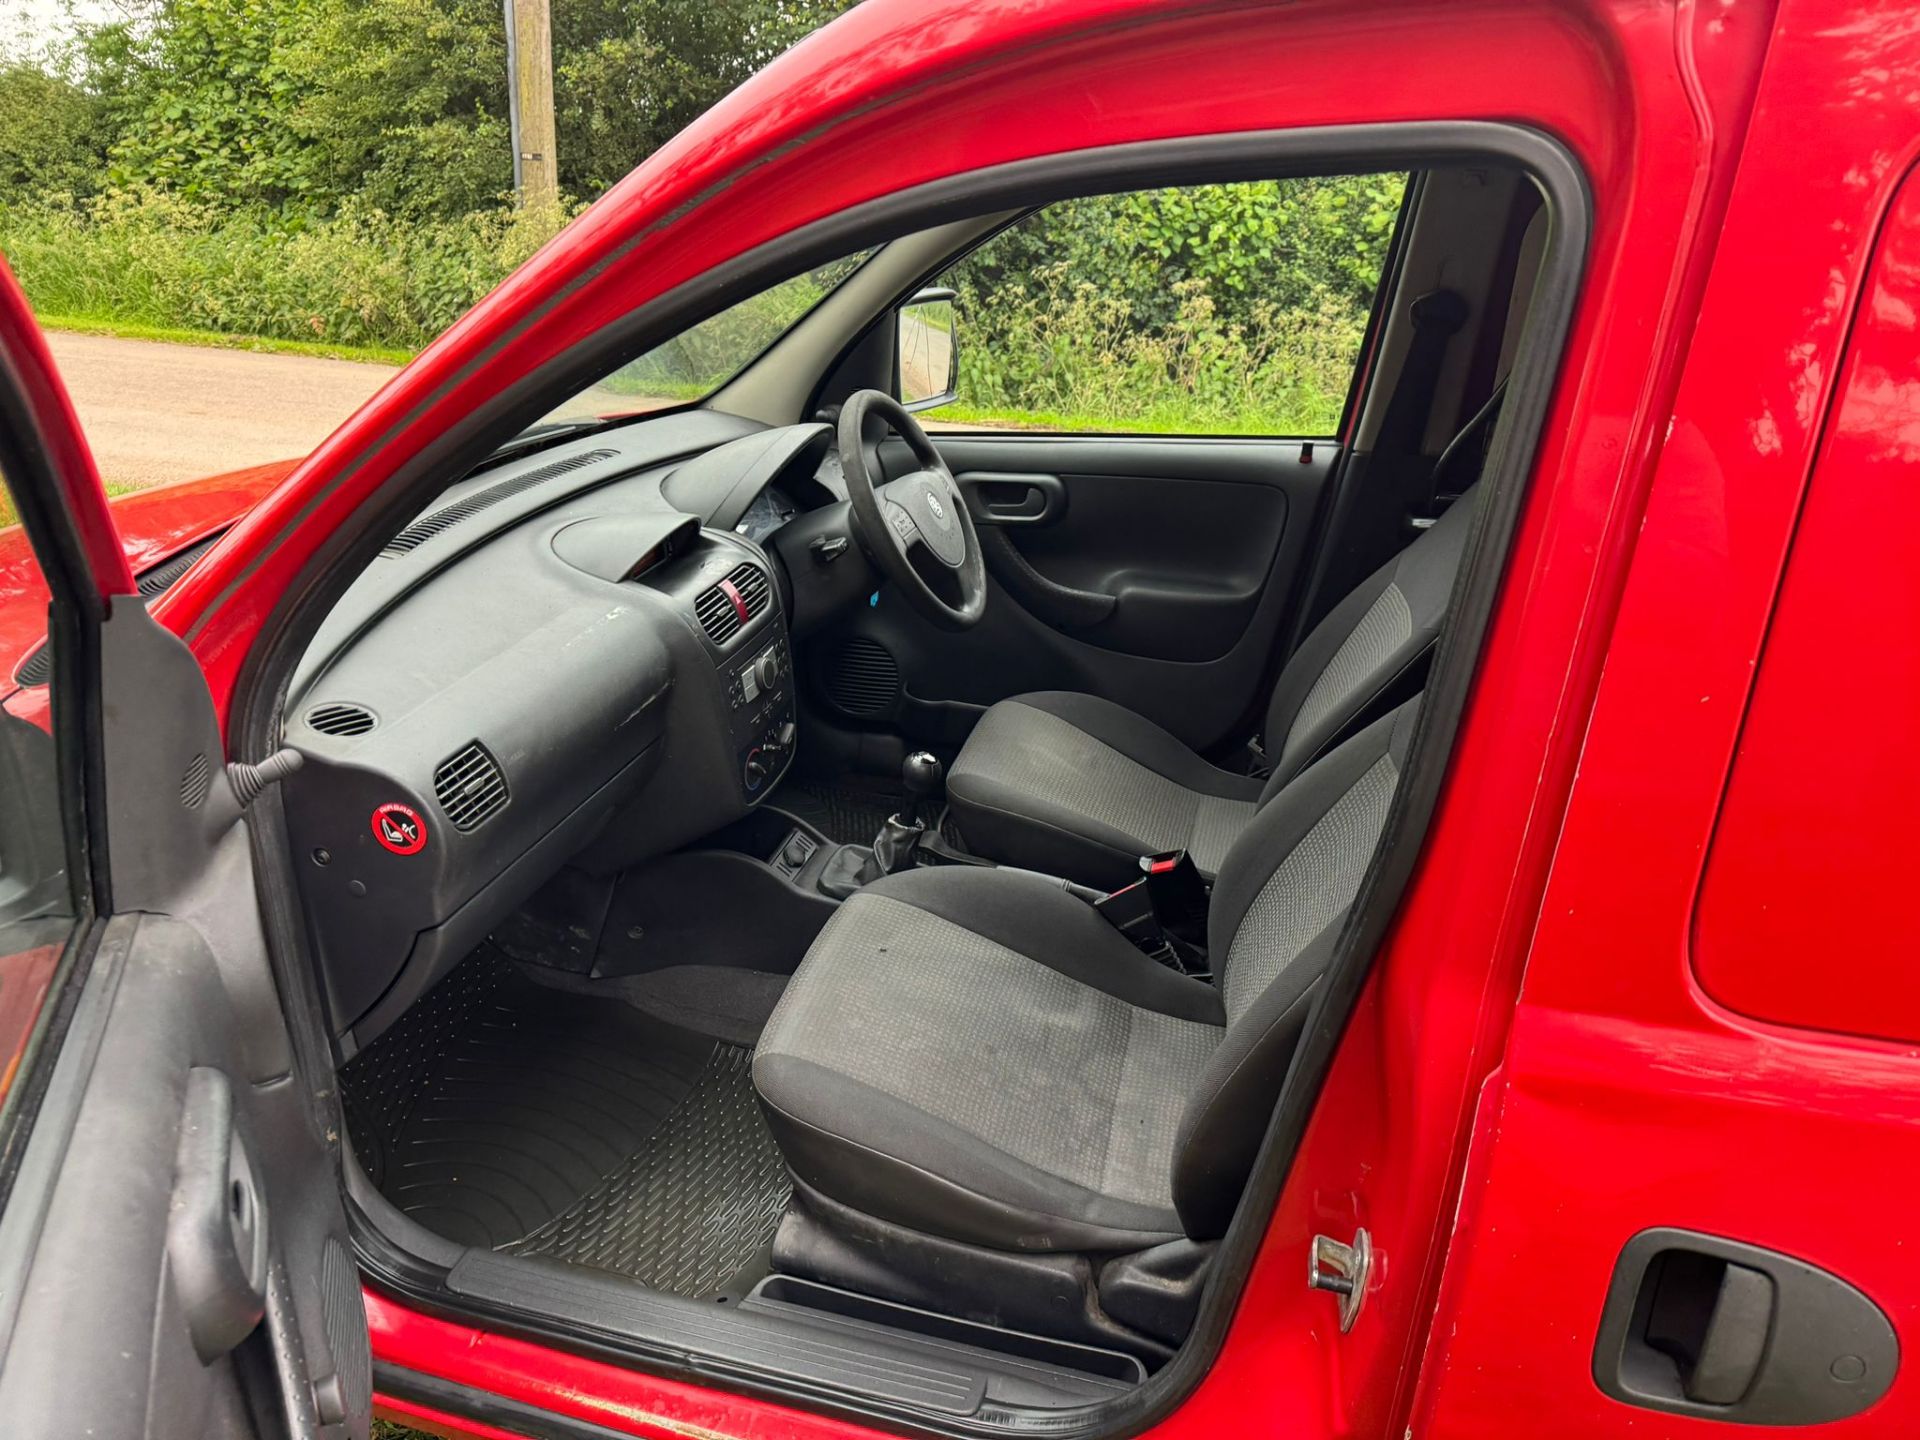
1232,309
36,897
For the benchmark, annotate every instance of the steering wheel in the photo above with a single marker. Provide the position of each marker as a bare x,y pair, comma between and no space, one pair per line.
921,513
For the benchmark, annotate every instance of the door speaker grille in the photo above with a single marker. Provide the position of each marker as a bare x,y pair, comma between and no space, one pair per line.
865,680
196,782
469,786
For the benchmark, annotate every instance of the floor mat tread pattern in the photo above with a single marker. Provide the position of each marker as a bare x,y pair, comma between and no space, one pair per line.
693,1206
514,1116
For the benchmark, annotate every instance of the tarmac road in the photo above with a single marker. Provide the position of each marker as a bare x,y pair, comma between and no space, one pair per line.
155,412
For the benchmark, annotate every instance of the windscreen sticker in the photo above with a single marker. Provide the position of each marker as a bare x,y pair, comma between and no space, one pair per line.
399,828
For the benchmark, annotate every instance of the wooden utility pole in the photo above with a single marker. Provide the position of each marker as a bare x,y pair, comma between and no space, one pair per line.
536,170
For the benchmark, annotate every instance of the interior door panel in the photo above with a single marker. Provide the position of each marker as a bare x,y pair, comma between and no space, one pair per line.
1158,573
174,1257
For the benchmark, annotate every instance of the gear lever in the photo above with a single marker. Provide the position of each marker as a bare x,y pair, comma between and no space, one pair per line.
894,846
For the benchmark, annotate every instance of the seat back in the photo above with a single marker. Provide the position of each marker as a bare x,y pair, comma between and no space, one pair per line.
1277,909
1368,652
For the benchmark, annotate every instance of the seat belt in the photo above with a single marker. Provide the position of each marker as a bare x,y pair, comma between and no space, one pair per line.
1461,462
1437,317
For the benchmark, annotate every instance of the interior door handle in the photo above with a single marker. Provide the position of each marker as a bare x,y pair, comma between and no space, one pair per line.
1698,1325
999,497
216,1224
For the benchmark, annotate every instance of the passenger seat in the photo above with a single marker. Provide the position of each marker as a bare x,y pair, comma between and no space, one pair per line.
977,1055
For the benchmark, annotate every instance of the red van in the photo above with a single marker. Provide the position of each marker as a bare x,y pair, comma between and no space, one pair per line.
654,885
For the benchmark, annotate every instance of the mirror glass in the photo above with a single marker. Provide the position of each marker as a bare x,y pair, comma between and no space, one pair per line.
929,350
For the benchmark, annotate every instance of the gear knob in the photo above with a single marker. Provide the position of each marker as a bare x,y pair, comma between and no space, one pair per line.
921,773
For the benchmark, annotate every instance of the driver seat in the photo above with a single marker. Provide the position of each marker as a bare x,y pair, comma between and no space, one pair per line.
1073,785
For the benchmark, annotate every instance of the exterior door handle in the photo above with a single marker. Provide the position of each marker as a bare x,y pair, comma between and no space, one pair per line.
1697,1325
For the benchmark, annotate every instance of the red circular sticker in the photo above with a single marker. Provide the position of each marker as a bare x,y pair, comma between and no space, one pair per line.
400,828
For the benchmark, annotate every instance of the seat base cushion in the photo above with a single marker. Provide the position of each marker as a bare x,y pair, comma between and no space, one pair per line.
978,1055
1074,785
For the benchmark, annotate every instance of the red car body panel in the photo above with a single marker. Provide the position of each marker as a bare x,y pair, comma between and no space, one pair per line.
1803,863
1629,1096
23,350
1534,1072
153,525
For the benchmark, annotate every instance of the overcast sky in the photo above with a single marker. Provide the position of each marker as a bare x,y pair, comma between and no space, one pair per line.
26,26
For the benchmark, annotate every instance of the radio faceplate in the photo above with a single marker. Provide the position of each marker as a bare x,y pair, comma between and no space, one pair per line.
759,691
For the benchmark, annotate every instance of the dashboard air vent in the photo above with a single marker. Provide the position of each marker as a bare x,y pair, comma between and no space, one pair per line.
469,786
37,668
157,581
736,601
865,680
341,718
445,518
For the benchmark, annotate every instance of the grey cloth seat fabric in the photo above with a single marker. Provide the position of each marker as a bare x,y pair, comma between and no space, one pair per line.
1074,785
978,1055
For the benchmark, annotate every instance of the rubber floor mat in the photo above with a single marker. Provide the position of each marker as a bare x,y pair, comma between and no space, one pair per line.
513,1116
850,812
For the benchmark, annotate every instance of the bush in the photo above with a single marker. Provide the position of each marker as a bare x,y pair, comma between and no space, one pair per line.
361,278
1209,309
52,133
1076,356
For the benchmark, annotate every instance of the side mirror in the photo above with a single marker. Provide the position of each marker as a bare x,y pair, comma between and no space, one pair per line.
927,364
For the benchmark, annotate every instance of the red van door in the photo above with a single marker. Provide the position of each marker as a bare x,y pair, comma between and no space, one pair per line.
1688,1202
173,1248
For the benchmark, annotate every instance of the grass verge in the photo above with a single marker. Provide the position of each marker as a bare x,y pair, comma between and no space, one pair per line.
9,516
137,330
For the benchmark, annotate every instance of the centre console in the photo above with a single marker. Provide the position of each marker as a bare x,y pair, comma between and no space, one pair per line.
759,690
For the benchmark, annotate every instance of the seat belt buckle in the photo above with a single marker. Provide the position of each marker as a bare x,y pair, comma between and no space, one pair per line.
1164,912
1259,763
1177,891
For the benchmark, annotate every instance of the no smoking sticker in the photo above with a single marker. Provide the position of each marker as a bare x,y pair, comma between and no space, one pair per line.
400,829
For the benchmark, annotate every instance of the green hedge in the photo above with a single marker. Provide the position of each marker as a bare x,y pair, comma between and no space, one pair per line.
360,278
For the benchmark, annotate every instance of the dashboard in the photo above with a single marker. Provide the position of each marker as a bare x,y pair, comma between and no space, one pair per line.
577,656
770,509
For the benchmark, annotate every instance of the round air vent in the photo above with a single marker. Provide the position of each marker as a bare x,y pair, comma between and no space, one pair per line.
864,679
341,718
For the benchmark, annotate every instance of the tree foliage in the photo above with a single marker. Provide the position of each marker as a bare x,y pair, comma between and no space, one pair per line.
341,170
51,130
301,105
